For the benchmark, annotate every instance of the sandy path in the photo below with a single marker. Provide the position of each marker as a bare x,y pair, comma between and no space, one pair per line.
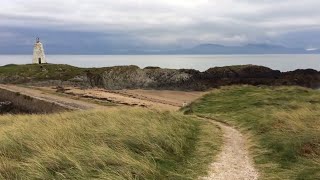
174,98
118,98
62,101
234,161
154,99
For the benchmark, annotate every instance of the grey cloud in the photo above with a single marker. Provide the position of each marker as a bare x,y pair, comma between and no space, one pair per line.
169,23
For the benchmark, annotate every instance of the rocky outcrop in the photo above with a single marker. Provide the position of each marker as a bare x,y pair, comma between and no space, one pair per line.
247,71
248,74
307,78
132,77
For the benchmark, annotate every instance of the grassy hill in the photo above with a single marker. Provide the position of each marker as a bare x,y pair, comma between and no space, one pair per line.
114,144
284,123
41,72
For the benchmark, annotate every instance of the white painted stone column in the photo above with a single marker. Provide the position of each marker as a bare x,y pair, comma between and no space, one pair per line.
38,53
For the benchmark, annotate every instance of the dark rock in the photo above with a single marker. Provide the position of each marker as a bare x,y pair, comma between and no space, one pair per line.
247,71
152,67
307,78
61,89
6,107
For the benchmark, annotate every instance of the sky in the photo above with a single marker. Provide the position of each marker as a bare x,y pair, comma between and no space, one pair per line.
102,26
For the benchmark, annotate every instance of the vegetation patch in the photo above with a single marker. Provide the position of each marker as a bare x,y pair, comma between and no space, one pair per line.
29,72
115,144
284,122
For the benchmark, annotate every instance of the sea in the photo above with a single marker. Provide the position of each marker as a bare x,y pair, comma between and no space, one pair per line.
281,62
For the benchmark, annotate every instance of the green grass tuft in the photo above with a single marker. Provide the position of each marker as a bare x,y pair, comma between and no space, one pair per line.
284,122
41,72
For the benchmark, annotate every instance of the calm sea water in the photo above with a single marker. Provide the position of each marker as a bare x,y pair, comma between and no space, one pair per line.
199,62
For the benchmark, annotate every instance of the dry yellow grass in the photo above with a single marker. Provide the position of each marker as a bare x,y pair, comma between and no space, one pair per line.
115,144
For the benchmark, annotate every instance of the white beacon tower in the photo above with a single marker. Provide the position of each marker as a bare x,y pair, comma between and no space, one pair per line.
38,53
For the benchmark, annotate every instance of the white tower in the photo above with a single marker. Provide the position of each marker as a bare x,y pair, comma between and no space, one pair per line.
38,53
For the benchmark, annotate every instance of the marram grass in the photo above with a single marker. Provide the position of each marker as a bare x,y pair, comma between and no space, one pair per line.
283,121
129,143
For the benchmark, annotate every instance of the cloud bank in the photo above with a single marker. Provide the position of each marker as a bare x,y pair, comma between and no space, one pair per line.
161,24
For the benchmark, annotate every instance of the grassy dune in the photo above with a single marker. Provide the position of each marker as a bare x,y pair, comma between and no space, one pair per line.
284,122
113,144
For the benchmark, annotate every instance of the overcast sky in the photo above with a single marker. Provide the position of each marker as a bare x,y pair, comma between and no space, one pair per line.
93,25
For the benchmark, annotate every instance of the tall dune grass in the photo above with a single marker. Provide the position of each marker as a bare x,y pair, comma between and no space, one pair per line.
284,122
113,144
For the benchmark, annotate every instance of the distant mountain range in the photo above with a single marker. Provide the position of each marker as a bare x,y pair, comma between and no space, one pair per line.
200,49
247,49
